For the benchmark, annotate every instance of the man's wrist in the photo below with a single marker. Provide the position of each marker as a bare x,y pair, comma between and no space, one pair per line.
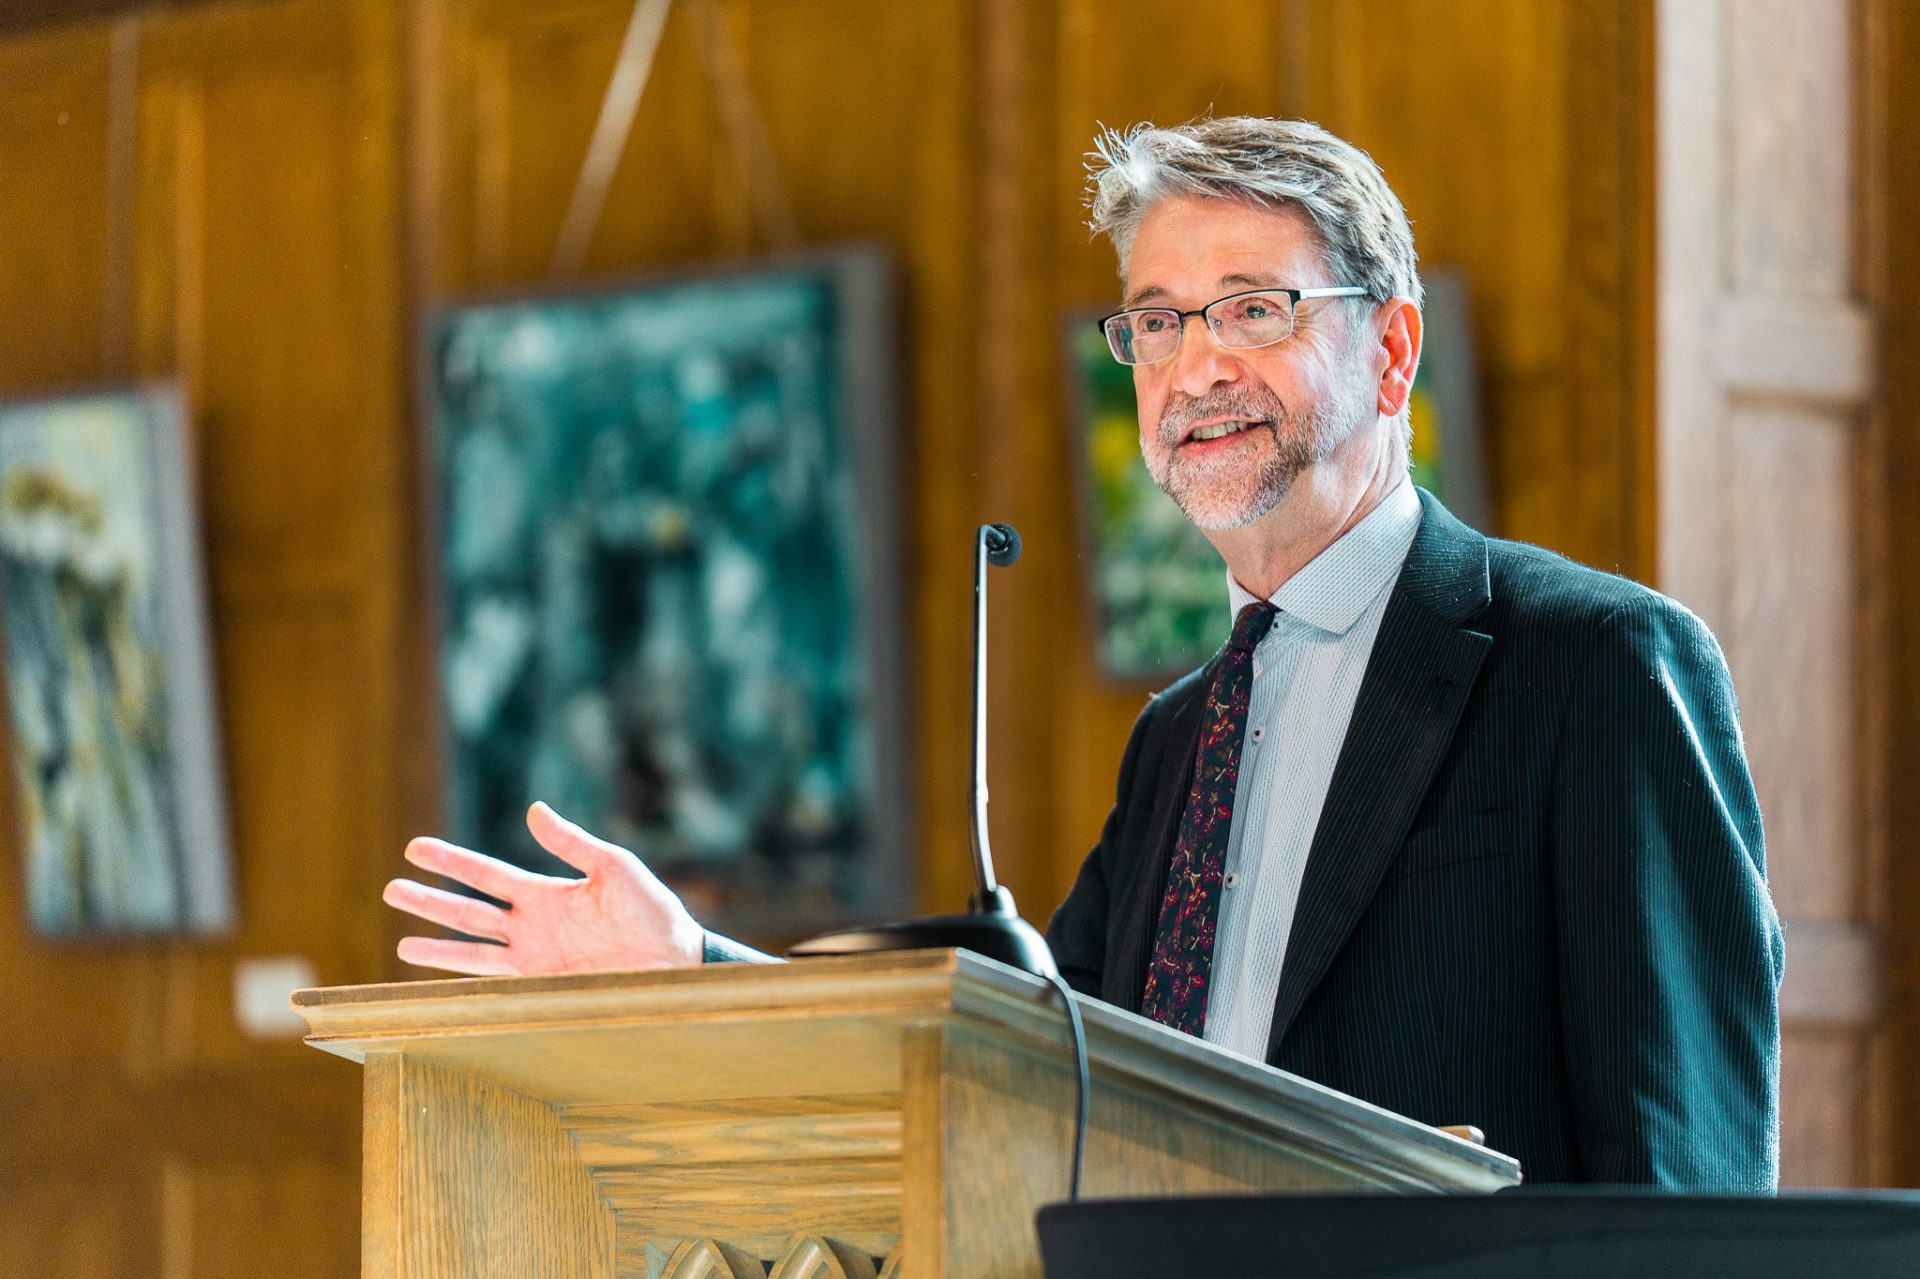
716,949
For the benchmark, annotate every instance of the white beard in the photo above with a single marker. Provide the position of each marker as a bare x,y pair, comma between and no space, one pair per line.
1238,488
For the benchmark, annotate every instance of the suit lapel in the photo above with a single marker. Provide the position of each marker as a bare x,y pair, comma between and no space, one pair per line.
1422,669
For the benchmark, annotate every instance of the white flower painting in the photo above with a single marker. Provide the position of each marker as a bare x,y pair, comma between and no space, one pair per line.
116,781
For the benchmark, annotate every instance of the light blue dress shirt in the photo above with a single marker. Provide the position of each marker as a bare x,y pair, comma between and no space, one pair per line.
1306,676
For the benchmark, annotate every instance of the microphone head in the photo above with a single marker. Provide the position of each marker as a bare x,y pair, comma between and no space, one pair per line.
1003,544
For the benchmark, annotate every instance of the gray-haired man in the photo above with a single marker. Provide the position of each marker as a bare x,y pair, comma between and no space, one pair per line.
1450,823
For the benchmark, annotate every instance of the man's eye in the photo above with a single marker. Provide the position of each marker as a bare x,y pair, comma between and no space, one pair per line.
1151,323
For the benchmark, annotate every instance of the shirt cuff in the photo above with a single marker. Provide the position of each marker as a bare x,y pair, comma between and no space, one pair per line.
725,950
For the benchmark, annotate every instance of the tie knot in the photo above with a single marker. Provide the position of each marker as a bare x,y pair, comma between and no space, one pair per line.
1255,620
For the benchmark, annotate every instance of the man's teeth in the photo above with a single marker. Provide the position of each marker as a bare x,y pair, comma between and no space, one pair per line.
1218,430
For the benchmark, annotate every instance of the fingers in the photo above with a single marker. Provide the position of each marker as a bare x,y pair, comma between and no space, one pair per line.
451,910
476,870
589,854
474,958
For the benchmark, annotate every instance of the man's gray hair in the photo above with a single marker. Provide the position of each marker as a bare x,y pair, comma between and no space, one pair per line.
1280,164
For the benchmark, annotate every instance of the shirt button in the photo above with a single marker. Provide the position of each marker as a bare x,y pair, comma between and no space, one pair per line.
1259,731
1233,878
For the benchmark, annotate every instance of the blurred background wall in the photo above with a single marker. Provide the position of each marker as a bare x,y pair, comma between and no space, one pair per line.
1687,226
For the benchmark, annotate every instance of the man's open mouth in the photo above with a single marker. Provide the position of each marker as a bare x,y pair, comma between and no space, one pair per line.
1220,430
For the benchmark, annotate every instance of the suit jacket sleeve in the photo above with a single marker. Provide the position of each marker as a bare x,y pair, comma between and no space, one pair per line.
1669,947
1079,929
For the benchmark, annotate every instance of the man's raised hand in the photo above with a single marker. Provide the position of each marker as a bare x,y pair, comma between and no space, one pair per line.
619,917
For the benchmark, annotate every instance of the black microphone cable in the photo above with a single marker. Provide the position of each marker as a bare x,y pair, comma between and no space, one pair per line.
1081,1081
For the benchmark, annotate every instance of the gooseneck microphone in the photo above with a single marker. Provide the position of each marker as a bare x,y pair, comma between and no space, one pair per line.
992,926
998,545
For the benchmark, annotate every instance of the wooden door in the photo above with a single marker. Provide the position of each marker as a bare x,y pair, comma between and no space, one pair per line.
1767,509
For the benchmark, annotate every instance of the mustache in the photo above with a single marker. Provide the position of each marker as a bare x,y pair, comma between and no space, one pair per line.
1249,404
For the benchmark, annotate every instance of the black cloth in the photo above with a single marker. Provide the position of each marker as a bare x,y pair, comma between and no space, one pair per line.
1506,1236
1536,898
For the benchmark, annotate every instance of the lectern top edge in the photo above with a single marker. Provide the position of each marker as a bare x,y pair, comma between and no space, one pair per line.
845,1016
932,961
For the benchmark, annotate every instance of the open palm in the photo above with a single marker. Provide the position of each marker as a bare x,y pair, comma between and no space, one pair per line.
619,917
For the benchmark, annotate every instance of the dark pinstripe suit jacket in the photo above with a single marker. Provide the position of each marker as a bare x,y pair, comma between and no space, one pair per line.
1536,899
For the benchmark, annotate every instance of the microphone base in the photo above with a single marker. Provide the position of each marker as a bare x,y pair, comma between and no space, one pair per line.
1007,938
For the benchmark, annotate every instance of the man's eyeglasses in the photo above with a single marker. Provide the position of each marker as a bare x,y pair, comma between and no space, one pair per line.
1149,334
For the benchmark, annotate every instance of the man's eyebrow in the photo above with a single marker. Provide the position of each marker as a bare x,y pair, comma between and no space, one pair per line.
1238,280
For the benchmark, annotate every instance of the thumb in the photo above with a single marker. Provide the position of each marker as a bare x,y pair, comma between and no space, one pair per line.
587,853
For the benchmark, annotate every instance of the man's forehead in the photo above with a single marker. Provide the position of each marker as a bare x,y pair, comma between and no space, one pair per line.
1187,246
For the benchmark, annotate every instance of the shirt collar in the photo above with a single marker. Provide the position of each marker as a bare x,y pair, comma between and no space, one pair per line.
1334,588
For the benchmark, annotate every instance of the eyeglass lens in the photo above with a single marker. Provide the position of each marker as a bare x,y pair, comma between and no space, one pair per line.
1251,319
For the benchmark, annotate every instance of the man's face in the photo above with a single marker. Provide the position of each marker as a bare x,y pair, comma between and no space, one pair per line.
1284,407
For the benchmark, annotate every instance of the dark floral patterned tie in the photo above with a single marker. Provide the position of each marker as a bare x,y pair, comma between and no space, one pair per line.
1178,980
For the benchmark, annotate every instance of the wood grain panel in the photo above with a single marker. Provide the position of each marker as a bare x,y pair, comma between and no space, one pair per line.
254,256
1769,516
99,1222
1789,75
53,145
815,1128
53,141
479,1163
218,1211
1821,1127
1892,55
551,77
1789,590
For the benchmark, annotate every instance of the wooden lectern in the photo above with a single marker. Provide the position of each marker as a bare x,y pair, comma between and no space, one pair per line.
897,1114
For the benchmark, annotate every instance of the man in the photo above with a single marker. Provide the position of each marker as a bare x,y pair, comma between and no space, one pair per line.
1450,824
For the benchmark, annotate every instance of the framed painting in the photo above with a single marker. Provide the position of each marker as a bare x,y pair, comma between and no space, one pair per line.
666,554
1156,586
118,788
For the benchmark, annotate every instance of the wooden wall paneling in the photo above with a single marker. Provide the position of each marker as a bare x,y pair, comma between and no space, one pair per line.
259,266
73,1222
279,306
1890,179
53,134
1765,503
554,74
300,455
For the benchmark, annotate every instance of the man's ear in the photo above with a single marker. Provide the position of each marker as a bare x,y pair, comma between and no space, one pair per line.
1398,355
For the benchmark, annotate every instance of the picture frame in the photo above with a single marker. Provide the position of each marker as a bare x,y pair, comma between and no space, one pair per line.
665,551
118,782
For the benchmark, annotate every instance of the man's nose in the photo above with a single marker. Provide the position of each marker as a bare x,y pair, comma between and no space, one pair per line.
1201,363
